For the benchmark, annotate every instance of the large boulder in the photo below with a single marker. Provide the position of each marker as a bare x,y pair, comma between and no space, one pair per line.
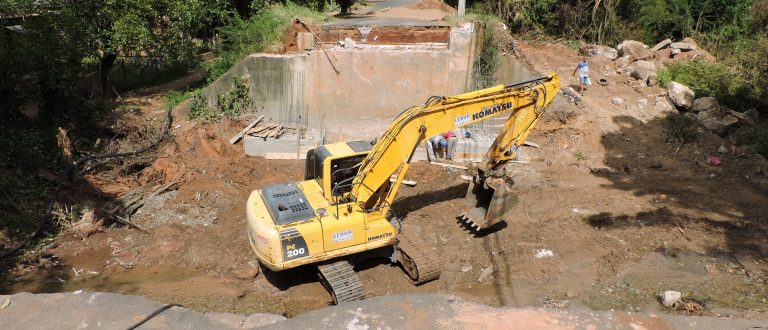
716,121
635,49
642,70
622,62
704,104
599,50
681,95
663,104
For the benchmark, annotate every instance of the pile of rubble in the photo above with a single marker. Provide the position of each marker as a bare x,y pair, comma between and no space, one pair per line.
641,62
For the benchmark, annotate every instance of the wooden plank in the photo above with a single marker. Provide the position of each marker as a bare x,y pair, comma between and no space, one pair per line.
449,165
237,137
405,182
531,144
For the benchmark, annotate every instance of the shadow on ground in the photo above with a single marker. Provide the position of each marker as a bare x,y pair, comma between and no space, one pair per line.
729,200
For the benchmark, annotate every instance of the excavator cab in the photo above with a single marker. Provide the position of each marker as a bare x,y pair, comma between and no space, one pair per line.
342,161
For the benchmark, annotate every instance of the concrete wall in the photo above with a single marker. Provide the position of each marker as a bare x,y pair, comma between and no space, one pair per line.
348,93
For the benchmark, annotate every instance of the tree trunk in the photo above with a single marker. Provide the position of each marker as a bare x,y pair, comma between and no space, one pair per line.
107,62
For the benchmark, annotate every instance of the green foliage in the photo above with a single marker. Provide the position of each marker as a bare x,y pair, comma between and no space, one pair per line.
755,136
174,98
255,34
680,128
578,155
199,109
704,78
487,62
236,101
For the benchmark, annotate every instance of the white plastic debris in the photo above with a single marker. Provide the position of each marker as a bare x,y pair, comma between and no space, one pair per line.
544,253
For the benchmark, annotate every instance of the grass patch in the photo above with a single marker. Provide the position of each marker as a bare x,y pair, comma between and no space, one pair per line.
578,155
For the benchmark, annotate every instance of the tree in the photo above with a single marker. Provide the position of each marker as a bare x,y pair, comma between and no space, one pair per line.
107,29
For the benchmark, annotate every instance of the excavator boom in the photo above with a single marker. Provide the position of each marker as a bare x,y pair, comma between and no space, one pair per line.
489,198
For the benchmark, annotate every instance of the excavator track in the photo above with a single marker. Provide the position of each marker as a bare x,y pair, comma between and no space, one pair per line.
420,262
341,281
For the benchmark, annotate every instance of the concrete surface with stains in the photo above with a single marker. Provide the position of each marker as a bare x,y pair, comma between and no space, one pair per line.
99,310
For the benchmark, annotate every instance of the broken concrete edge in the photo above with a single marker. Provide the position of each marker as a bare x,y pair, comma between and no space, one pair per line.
407,311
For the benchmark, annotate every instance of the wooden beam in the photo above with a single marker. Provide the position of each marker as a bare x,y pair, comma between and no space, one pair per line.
237,137
449,165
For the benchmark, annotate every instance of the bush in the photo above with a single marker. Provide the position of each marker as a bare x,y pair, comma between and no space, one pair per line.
199,109
755,136
704,78
680,128
235,101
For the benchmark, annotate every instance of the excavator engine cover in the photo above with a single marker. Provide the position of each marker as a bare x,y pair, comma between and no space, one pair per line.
489,201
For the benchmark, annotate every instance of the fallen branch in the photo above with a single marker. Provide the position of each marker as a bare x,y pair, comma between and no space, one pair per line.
124,221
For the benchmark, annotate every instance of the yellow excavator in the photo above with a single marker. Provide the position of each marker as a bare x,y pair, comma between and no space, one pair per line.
342,208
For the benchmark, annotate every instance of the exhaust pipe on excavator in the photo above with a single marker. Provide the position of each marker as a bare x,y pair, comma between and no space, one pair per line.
489,200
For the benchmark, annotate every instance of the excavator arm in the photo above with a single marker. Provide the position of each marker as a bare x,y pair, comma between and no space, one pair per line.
523,103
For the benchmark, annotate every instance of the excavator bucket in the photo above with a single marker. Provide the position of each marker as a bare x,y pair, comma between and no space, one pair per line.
487,203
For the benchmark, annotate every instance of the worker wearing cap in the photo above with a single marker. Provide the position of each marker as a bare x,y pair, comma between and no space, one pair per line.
451,140
433,144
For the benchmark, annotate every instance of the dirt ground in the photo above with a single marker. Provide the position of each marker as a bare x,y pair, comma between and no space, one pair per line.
609,216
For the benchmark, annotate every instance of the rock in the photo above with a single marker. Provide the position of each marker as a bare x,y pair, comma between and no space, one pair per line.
716,121
641,70
246,273
617,100
572,94
704,104
675,52
570,294
661,45
663,104
642,103
670,298
681,95
631,47
599,50
485,274
466,268
622,62
722,149
683,46
349,43
653,79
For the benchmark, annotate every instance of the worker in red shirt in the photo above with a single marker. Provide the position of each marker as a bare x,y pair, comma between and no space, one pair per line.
450,139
